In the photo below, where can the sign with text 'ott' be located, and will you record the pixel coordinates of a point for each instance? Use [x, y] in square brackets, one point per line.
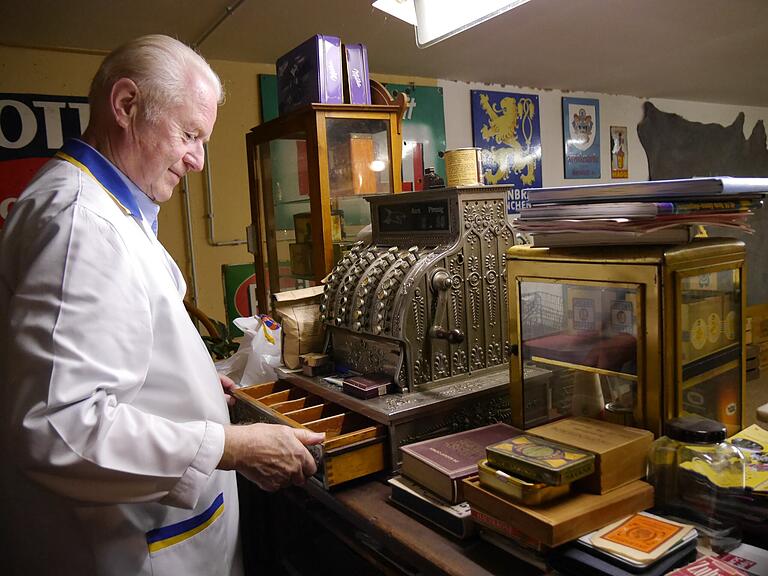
[32, 128]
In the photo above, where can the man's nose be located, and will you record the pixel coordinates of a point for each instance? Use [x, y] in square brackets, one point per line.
[195, 158]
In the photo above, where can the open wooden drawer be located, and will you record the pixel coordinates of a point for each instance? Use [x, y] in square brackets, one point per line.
[354, 445]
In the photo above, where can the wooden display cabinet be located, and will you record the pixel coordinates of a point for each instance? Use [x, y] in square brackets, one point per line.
[308, 172]
[632, 334]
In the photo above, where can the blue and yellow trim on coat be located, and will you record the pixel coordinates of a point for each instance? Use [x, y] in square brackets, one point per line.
[80, 154]
[169, 535]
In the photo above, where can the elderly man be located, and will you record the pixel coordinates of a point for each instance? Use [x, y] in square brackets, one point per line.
[117, 452]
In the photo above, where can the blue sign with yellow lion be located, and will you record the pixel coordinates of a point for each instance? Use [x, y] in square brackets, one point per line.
[506, 127]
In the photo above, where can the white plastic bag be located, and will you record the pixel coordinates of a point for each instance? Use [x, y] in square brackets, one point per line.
[258, 354]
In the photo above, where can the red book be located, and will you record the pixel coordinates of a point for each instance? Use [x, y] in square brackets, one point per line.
[439, 464]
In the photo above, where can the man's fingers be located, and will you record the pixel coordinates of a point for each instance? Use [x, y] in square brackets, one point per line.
[307, 437]
[308, 465]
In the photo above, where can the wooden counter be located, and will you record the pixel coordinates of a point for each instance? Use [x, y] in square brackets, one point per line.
[355, 530]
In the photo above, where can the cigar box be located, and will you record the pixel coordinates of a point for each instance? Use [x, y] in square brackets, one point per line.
[354, 445]
[620, 451]
[556, 522]
[539, 460]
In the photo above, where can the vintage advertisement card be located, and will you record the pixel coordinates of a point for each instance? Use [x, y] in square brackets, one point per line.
[641, 537]
[619, 152]
[581, 137]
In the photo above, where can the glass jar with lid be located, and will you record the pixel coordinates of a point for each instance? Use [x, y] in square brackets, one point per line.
[694, 472]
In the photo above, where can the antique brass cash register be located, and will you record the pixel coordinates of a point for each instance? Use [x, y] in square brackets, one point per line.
[424, 303]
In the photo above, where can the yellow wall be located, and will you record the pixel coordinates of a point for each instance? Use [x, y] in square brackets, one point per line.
[68, 73]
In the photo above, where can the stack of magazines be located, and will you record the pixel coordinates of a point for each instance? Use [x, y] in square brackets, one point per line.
[654, 212]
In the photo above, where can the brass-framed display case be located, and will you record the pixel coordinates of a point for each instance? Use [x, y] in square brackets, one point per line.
[308, 172]
[632, 334]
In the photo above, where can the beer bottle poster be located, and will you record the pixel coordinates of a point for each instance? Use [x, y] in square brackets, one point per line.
[619, 152]
[581, 137]
[32, 129]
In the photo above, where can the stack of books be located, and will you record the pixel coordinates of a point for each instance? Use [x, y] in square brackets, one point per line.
[535, 492]
[429, 485]
[654, 212]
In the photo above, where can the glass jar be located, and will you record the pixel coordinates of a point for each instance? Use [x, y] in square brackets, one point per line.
[695, 473]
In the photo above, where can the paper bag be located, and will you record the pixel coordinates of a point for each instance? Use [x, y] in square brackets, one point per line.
[299, 314]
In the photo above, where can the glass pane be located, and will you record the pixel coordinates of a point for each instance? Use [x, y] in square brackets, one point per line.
[285, 181]
[579, 346]
[710, 322]
[359, 163]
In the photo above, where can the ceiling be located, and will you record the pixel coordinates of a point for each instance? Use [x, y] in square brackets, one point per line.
[704, 50]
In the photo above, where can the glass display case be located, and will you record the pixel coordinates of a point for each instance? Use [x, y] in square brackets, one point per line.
[308, 172]
[632, 334]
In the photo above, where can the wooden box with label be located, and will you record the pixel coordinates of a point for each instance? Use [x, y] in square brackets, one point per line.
[354, 445]
[620, 451]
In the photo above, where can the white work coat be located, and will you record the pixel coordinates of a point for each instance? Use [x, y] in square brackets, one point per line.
[111, 409]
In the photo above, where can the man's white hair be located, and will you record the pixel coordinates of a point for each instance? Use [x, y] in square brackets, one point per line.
[160, 66]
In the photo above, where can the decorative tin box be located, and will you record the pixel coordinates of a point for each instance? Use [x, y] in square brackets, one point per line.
[354, 445]
[357, 85]
[311, 72]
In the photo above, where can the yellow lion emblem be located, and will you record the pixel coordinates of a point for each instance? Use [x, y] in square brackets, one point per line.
[503, 124]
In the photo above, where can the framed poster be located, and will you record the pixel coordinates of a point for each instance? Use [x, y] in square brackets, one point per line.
[32, 128]
[423, 133]
[581, 137]
[619, 152]
[505, 126]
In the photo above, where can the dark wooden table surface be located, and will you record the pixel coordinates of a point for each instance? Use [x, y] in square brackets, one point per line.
[358, 518]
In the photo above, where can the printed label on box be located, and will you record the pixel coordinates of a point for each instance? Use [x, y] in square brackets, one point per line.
[583, 314]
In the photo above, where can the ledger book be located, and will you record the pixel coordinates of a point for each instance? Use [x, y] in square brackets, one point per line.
[440, 463]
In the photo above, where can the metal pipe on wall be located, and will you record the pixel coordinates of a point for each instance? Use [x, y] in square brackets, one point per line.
[185, 182]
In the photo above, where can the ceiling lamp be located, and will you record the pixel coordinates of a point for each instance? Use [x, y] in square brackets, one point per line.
[436, 20]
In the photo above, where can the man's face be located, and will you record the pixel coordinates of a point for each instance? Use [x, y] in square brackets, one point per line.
[164, 151]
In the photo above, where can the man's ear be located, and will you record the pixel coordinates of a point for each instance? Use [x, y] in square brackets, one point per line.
[124, 101]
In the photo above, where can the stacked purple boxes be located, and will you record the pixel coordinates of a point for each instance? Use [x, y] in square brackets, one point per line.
[311, 72]
[357, 86]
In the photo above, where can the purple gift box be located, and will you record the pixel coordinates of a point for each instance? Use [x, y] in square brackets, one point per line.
[311, 72]
[357, 85]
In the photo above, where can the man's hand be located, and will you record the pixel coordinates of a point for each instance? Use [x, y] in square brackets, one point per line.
[271, 455]
[227, 384]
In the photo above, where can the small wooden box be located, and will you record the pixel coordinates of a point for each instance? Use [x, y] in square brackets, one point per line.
[620, 451]
[354, 445]
[554, 523]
